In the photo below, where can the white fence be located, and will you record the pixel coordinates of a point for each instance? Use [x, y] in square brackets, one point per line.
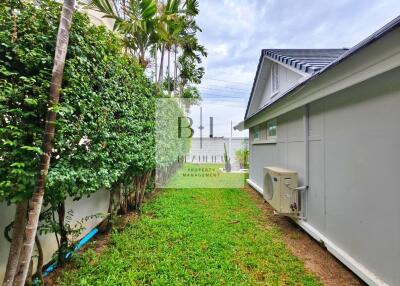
[211, 150]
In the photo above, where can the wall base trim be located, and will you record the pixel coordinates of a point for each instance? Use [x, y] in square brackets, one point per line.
[360, 270]
[255, 186]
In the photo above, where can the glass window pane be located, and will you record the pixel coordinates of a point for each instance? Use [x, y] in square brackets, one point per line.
[271, 128]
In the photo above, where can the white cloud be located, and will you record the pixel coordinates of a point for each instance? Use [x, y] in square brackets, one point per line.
[235, 31]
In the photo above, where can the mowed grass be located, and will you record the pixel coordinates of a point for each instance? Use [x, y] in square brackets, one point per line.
[194, 237]
[205, 176]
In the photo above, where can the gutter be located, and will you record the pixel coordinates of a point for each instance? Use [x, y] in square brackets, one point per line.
[304, 192]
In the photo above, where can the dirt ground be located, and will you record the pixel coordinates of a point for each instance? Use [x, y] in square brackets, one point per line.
[316, 258]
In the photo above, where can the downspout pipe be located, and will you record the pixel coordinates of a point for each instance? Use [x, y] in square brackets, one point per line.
[304, 191]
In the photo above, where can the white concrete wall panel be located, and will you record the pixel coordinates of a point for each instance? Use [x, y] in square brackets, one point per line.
[96, 203]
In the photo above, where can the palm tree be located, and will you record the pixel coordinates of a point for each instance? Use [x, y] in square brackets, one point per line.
[35, 203]
[135, 20]
[176, 23]
[153, 26]
[169, 28]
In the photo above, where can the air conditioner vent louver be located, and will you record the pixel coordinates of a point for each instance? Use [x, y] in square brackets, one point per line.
[279, 190]
[268, 190]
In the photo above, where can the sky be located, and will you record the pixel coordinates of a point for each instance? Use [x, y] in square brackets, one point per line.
[235, 31]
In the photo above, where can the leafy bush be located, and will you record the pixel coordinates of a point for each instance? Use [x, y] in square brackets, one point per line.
[105, 121]
[105, 125]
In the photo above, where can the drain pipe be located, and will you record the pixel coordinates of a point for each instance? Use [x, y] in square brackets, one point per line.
[304, 190]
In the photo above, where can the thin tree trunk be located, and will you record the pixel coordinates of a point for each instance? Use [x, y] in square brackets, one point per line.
[39, 266]
[14, 34]
[137, 191]
[160, 76]
[62, 250]
[114, 203]
[16, 242]
[54, 228]
[35, 203]
[142, 58]
[155, 63]
[145, 179]
[28, 281]
[123, 201]
[168, 72]
[175, 69]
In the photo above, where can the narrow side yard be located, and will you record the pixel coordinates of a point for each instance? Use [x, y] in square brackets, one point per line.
[194, 237]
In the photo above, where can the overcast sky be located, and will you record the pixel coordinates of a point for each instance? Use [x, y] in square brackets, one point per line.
[235, 31]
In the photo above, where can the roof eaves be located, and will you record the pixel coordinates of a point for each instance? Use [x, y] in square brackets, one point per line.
[392, 25]
[254, 82]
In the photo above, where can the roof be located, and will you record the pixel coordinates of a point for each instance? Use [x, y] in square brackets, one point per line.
[305, 60]
[239, 126]
[389, 27]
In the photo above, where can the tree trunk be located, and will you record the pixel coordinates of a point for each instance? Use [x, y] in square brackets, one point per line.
[142, 58]
[62, 250]
[175, 70]
[39, 266]
[113, 207]
[123, 200]
[168, 72]
[143, 187]
[155, 64]
[16, 243]
[14, 34]
[35, 203]
[28, 281]
[160, 76]
[55, 229]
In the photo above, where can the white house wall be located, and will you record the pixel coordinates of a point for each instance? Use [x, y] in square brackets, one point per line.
[354, 161]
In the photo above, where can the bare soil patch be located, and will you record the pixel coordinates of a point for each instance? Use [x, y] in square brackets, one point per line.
[316, 258]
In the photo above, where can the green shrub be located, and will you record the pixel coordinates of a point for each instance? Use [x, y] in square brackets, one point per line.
[105, 124]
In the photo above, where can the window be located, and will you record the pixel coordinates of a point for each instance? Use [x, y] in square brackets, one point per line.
[274, 79]
[256, 133]
[271, 130]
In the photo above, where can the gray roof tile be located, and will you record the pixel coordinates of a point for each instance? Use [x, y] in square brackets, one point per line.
[305, 60]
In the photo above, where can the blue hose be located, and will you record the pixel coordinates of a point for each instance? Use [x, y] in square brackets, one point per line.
[81, 243]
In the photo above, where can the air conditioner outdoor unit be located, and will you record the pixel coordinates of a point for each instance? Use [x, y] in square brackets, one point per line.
[280, 190]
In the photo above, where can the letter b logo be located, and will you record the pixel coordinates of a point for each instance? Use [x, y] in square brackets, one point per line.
[189, 126]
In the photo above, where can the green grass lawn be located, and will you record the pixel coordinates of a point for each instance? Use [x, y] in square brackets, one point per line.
[205, 176]
[194, 237]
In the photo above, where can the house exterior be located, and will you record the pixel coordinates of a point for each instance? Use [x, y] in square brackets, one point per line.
[333, 115]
